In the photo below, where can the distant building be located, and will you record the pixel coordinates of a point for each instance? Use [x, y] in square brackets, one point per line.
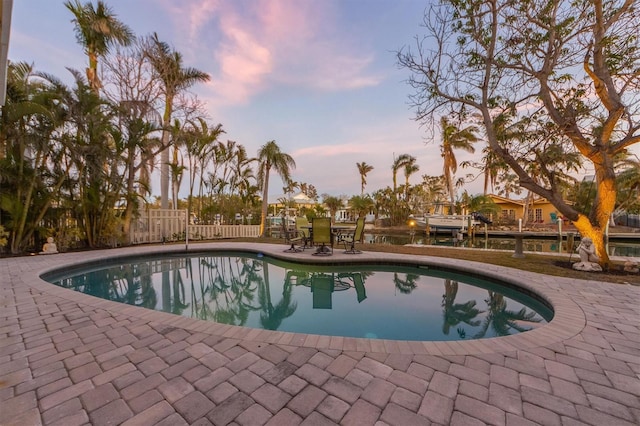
[295, 203]
[541, 211]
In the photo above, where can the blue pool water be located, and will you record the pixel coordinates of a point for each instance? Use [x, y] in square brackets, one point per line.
[371, 301]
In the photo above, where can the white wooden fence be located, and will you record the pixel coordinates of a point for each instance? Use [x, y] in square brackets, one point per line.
[160, 225]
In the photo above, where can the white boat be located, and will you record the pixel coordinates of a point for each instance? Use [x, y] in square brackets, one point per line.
[437, 222]
[445, 223]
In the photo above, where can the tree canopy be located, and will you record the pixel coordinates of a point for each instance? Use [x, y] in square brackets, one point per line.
[562, 75]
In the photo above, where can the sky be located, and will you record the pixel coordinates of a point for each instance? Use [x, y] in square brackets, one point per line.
[317, 76]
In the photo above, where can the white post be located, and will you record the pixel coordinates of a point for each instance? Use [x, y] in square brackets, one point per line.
[486, 236]
[186, 230]
[520, 225]
[560, 235]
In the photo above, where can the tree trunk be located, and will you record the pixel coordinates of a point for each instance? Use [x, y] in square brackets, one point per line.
[164, 156]
[176, 178]
[265, 202]
[596, 233]
[92, 73]
[131, 200]
[164, 171]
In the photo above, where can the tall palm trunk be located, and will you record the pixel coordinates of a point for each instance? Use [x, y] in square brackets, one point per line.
[164, 156]
[92, 73]
[265, 201]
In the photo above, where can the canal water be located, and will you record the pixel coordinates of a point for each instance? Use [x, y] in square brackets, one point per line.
[550, 245]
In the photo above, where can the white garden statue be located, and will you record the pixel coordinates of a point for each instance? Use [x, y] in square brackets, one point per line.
[49, 247]
[588, 258]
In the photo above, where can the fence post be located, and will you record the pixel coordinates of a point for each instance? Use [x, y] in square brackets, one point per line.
[186, 229]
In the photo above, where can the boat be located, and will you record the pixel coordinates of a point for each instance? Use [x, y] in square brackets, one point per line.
[440, 222]
[444, 223]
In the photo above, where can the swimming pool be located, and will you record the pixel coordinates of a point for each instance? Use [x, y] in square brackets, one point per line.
[370, 301]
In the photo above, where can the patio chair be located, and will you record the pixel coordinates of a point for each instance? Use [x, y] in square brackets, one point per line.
[351, 238]
[291, 238]
[302, 226]
[321, 230]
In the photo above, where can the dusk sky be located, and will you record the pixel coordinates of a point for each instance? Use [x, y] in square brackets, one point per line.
[318, 77]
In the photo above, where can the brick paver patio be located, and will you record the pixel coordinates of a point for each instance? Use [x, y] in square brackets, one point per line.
[69, 359]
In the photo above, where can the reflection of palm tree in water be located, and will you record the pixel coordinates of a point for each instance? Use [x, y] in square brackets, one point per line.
[501, 320]
[230, 287]
[406, 285]
[132, 285]
[148, 295]
[178, 299]
[456, 313]
[173, 294]
[272, 316]
[200, 308]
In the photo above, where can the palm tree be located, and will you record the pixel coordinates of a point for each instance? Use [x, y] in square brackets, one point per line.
[139, 149]
[398, 208]
[333, 204]
[361, 205]
[454, 138]
[492, 165]
[199, 138]
[509, 184]
[97, 29]
[409, 168]
[242, 178]
[175, 78]
[434, 189]
[95, 181]
[399, 163]
[33, 161]
[382, 202]
[270, 156]
[363, 169]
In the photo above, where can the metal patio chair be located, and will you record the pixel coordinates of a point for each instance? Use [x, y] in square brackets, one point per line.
[321, 230]
[291, 238]
[351, 238]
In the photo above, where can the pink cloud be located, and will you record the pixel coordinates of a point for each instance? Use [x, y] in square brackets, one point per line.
[243, 58]
[191, 16]
[276, 42]
[329, 150]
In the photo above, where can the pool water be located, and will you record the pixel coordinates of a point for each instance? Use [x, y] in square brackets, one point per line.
[370, 301]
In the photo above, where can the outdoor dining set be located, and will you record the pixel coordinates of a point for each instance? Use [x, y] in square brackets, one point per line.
[320, 234]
